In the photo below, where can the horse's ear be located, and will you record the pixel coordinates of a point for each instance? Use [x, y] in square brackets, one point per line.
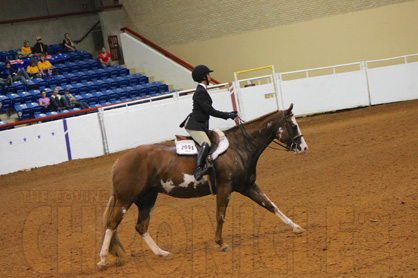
[289, 110]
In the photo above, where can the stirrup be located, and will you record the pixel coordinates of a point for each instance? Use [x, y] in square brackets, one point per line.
[199, 172]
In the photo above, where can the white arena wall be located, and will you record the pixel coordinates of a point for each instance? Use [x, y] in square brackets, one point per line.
[125, 126]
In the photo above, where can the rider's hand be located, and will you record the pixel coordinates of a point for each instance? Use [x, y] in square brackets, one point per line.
[233, 115]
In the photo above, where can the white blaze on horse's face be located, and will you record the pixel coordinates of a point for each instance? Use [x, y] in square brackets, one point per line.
[303, 147]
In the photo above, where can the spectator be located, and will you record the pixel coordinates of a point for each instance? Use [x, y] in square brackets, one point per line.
[25, 50]
[45, 67]
[39, 48]
[33, 70]
[55, 101]
[104, 58]
[44, 100]
[67, 44]
[68, 101]
[11, 75]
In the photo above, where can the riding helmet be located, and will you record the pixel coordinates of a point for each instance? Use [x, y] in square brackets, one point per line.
[199, 73]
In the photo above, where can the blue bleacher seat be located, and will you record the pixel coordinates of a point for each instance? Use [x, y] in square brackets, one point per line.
[36, 95]
[42, 84]
[23, 111]
[103, 85]
[143, 91]
[83, 76]
[85, 55]
[5, 103]
[133, 92]
[48, 92]
[10, 89]
[113, 82]
[124, 71]
[78, 88]
[133, 79]
[72, 66]
[53, 82]
[91, 86]
[63, 80]
[36, 107]
[93, 75]
[16, 99]
[123, 81]
[103, 73]
[72, 77]
[94, 63]
[114, 97]
[26, 96]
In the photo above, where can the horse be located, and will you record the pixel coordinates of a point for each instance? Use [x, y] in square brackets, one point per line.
[140, 174]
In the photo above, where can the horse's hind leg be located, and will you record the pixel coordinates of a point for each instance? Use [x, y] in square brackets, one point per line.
[145, 204]
[113, 215]
[222, 200]
[255, 194]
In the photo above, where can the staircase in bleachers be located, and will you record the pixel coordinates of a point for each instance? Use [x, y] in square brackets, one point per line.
[82, 75]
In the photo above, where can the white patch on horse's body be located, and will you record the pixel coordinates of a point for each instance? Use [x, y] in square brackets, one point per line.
[187, 181]
[262, 203]
[269, 124]
[280, 133]
[123, 212]
[168, 185]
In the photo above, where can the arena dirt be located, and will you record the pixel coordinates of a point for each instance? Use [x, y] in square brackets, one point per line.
[355, 193]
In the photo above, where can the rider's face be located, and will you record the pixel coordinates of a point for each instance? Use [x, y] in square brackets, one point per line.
[209, 78]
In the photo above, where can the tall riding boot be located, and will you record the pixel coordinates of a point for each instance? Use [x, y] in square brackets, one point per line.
[200, 171]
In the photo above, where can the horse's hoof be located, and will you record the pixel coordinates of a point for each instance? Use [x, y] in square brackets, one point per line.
[298, 230]
[165, 254]
[101, 266]
[226, 248]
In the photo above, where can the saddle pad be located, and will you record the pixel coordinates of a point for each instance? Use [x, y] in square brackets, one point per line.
[186, 147]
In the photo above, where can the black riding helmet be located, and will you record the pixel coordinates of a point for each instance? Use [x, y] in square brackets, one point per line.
[199, 73]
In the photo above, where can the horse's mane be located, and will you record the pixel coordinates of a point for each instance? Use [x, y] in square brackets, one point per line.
[236, 127]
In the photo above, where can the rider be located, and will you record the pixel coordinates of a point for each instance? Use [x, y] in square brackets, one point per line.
[197, 123]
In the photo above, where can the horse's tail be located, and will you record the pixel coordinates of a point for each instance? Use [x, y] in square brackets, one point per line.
[115, 248]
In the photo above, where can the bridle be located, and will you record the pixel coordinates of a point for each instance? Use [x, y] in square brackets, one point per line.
[291, 145]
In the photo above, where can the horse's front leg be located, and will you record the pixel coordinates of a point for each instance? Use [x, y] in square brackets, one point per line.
[222, 200]
[255, 194]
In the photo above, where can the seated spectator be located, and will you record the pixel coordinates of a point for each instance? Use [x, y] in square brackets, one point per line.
[104, 58]
[39, 48]
[45, 67]
[33, 70]
[44, 100]
[11, 75]
[67, 44]
[25, 50]
[68, 101]
[55, 101]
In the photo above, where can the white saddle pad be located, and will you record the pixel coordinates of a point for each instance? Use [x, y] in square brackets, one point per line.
[188, 147]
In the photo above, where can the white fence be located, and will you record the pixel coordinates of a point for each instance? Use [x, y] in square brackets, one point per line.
[154, 120]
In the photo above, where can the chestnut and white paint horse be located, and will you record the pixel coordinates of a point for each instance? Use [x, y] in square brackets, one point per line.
[140, 174]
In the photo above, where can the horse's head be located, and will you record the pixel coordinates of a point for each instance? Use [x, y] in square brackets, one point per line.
[289, 133]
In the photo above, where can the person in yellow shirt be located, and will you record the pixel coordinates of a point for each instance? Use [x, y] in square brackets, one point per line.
[25, 50]
[45, 67]
[33, 70]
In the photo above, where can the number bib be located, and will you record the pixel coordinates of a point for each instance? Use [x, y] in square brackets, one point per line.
[186, 147]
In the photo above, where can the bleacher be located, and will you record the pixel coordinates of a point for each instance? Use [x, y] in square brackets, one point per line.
[82, 75]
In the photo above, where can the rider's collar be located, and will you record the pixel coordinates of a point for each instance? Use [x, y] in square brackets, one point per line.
[203, 85]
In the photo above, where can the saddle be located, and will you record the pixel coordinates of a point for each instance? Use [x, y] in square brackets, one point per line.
[185, 145]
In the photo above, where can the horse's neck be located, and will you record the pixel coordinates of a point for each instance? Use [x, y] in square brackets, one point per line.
[260, 133]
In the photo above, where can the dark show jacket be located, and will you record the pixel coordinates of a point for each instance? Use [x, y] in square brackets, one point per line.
[202, 109]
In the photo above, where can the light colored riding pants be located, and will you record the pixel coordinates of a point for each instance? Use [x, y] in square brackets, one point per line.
[199, 136]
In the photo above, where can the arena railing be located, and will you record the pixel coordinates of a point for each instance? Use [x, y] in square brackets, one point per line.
[162, 51]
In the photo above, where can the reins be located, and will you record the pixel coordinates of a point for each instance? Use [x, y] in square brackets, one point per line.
[290, 145]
